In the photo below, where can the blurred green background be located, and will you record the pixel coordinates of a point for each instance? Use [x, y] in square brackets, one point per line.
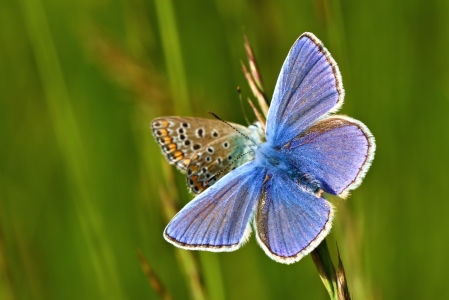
[81, 178]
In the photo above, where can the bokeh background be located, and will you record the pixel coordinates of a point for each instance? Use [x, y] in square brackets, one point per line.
[82, 180]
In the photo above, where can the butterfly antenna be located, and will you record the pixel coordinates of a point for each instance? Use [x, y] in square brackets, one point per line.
[228, 166]
[242, 134]
[239, 91]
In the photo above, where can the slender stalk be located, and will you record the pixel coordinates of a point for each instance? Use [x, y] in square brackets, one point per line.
[185, 258]
[323, 262]
[254, 78]
[178, 83]
[173, 57]
[72, 149]
[153, 279]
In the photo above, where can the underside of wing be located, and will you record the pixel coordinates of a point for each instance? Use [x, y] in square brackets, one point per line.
[216, 160]
[182, 137]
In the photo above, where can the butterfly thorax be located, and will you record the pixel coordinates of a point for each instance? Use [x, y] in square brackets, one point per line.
[274, 160]
[276, 163]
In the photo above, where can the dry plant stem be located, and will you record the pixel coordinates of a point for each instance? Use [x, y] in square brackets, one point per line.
[257, 93]
[333, 280]
[343, 289]
[255, 78]
[253, 64]
[152, 278]
[259, 117]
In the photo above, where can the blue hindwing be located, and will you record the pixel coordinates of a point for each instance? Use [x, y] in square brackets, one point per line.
[290, 221]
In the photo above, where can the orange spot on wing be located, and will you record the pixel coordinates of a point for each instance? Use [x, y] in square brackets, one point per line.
[160, 124]
[175, 156]
[165, 140]
[161, 132]
[169, 148]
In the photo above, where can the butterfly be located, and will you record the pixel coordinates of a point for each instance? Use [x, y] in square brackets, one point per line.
[274, 181]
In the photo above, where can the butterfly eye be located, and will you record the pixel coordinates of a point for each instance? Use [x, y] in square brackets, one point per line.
[181, 130]
[226, 145]
[196, 147]
[210, 150]
[215, 133]
[185, 125]
[187, 143]
[208, 159]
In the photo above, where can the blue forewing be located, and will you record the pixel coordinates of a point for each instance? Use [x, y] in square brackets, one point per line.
[309, 87]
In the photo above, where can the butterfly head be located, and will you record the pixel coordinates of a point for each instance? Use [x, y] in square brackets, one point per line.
[256, 136]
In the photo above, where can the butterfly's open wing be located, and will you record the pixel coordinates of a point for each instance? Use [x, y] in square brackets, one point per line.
[309, 87]
[337, 151]
[218, 219]
[290, 222]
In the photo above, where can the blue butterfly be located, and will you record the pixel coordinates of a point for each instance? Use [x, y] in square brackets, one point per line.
[278, 187]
